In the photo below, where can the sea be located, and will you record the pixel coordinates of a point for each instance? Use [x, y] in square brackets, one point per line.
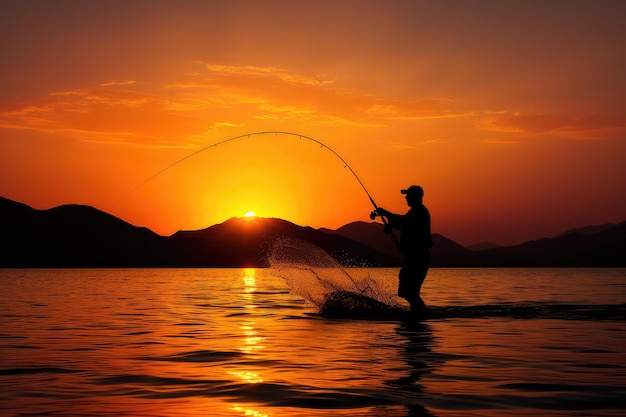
[259, 342]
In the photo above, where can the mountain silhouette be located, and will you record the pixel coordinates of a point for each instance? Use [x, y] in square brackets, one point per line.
[597, 246]
[73, 236]
[444, 252]
[588, 230]
[602, 246]
[482, 246]
[82, 236]
[246, 242]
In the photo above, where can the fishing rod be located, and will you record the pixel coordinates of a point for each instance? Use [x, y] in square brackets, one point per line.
[298, 135]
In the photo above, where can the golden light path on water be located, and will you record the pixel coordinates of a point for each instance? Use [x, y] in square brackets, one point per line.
[252, 342]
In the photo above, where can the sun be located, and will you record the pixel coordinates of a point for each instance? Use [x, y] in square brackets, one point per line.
[249, 214]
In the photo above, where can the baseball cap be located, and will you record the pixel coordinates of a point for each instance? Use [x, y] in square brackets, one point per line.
[414, 190]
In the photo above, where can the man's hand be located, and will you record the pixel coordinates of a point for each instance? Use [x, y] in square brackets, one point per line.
[382, 212]
[378, 212]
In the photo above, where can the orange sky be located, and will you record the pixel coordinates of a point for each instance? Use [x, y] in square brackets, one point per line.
[511, 114]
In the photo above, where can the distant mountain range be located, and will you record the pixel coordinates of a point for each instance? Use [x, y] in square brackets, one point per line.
[82, 236]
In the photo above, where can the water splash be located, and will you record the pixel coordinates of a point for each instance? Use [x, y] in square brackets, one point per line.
[336, 291]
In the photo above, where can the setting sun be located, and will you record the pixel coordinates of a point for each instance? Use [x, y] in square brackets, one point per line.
[503, 147]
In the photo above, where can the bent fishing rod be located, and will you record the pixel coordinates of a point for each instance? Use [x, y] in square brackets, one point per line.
[286, 133]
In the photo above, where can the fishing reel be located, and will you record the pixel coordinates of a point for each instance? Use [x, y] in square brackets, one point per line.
[373, 214]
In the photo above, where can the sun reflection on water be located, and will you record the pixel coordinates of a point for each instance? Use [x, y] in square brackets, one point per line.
[247, 376]
[249, 281]
[251, 339]
[252, 342]
[247, 411]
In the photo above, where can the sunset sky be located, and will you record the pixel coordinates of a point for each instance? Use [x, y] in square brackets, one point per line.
[510, 114]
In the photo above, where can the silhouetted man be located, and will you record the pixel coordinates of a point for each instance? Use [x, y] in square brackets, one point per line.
[415, 241]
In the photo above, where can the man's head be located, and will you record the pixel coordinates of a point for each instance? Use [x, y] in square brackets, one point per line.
[414, 195]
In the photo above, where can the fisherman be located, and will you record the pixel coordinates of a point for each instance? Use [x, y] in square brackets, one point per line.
[415, 241]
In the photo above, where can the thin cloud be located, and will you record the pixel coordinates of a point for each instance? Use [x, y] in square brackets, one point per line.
[100, 114]
[287, 92]
[503, 141]
[404, 146]
[226, 124]
[177, 113]
[267, 72]
[576, 126]
[115, 83]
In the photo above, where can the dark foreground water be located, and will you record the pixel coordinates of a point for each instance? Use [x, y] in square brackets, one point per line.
[244, 342]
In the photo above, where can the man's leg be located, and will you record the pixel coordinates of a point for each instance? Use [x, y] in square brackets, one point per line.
[416, 302]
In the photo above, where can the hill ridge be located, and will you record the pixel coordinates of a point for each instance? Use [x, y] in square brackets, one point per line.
[75, 235]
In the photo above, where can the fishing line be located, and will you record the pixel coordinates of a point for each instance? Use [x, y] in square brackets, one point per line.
[286, 133]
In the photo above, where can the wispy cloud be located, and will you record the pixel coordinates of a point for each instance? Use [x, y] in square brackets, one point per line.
[222, 96]
[180, 112]
[267, 72]
[288, 94]
[99, 114]
[115, 83]
[575, 126]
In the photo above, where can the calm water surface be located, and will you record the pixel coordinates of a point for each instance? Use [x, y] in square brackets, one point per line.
[238, 342]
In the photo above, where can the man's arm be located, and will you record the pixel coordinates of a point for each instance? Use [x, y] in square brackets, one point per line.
[396, 221]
